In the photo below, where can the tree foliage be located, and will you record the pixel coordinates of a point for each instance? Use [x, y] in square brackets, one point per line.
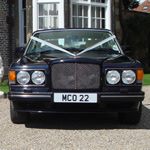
[138, 36]
[130, 4]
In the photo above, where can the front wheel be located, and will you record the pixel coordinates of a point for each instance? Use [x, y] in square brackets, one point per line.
[130, 117]
[18, 117]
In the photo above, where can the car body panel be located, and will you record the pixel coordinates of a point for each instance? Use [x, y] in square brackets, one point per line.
[40, 98]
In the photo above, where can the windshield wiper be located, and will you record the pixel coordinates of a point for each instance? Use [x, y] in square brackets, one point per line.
[25, 56]
[45, 52]
[38, 53]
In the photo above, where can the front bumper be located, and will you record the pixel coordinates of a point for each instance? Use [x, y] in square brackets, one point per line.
[43, 102]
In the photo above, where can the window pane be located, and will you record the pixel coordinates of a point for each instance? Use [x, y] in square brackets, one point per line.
[98, 23]
[86, 11]
[80, 23]
[97, 11]
[50, 13]
[103, 12]
[85, 23]
[74, 22]
[80, 10]
[23, 3]
[103, 23]
[51, 23]
[43, 23]
[24, 13]
[74, 10]
[55, 22]
[43, 9]
[145, 8]
[53, 9]
[98, 1]
[93, 12]
[25, 35]
[93, 23]
[40, 23]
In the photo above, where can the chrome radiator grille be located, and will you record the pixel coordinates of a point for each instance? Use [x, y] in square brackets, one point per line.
[75, 76]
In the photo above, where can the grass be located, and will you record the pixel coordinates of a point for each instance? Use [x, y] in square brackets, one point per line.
[146, 79]
[5, 88]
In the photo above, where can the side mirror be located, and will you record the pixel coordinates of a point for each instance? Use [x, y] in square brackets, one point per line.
[126, 49]
[19, 51]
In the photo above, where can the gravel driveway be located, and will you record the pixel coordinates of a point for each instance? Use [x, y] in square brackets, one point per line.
[74, 132]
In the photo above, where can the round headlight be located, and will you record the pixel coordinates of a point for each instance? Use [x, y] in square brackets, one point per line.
[113, 77]
[38, 77]
[128, 76]
[23, 77]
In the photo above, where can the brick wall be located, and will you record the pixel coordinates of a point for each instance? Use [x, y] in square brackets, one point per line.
[6, 45]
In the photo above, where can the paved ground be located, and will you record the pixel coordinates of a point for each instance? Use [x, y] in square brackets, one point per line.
[74, 132]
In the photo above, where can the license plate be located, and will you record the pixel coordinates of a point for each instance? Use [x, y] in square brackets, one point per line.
[75, 98]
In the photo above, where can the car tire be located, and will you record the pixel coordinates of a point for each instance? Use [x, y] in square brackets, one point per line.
[130, 117]
[18, 117]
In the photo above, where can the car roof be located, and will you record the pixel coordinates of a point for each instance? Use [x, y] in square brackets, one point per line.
[73, 29]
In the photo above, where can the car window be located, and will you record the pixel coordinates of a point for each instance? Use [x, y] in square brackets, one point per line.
[73, 43]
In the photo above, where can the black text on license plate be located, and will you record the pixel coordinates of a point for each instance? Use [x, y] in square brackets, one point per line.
[75, 98]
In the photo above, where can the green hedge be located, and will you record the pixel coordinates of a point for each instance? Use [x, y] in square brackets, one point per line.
[137, 35]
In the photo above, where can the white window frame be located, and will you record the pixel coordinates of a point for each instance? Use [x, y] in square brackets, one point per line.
[21, 24]
[60, 12]
[145, 8]
[88, 3]
[81, 17]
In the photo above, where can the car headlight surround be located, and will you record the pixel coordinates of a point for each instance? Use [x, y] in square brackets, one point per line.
[23, 77]
[38, 77]
[113, 77]
[128, 77]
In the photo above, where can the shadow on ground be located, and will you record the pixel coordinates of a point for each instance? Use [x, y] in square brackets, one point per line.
[85, 121]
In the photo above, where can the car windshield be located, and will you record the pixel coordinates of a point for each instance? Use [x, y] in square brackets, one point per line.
[66, 43]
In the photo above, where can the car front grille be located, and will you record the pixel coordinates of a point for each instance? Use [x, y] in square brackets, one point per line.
[75, 76]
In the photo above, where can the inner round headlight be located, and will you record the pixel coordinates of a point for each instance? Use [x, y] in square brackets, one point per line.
[38, 77]
[128, 76]
[23, 77]
[113, 77]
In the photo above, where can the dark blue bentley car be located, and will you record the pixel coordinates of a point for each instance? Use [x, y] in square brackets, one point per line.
[75, 71]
